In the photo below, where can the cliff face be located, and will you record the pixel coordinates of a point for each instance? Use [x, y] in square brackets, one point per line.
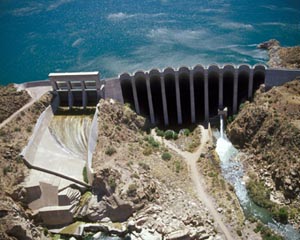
[269, 129]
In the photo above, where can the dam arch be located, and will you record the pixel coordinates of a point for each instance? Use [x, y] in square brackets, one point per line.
[258, 77]
[213, 90]
[126, 86]
[142, 93]
[185, 94]
[243, 84]
[199, 99]
[171, 95]
[157, 96]
[229, 83]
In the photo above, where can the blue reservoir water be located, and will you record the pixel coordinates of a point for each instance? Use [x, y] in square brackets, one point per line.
[113, 36]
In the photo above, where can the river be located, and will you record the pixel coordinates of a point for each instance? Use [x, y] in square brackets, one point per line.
[232, 170]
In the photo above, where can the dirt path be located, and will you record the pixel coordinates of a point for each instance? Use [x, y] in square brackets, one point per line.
[35, 93]
[198, 180]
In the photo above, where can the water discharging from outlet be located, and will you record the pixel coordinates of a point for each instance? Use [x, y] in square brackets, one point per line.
[72, 132]
[232, 171]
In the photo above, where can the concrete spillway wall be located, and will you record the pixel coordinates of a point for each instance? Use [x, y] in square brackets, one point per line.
[189, 95]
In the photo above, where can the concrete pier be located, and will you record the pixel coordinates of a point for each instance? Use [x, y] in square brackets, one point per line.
[206, 100]
[235, 91]
[192, 96]
[150, 102]
[164, 100]
[178, 103]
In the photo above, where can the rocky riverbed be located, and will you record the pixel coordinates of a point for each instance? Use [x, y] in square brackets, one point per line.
[268, 130]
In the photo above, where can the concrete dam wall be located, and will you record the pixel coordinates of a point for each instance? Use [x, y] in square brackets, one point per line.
[189, 95]
[172, 96]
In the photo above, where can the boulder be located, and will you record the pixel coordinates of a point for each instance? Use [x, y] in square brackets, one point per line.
[268, 44]
[179, 235]
[116, 209]
[19, 231]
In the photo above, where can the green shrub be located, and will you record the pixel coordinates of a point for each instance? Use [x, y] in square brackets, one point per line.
[112, 182]
[19, 159]
[135, 175]
[175, 136]
[178, 166]
[259, 194]
[7, 169]
[169, 134]
[84, 174]
[128, 105]
[147, 151]
[2, 133]
[166, 156]
[152, 142]
[266, 232]
[110, 150]
[186, 132]
[160, 133]
[281, 215]
[242, 105]
[131, 191]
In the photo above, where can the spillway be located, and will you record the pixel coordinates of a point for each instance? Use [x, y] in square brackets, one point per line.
[71, 133]
[59, 145]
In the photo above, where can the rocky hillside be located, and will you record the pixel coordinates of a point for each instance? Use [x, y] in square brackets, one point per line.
[281, 57]
[11, 100]
[269, 130]
[139, 181]
[14, 221]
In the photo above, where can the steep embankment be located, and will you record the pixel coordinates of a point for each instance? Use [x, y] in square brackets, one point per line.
[13, 138]
[269, 130]
[11, 100]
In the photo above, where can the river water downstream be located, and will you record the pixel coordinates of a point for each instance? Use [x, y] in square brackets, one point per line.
[232, 171]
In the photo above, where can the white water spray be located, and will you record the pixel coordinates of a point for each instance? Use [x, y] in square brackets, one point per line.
[221, 126]
[232, 170]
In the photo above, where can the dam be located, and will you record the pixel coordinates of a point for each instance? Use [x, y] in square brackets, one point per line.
[172, 96]
[67, 131]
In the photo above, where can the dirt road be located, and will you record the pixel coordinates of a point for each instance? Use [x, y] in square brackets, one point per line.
[35, 93]
[198, 179]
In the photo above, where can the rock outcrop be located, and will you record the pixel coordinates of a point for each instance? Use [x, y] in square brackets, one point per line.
[269, 130]
[138, 188]
[281, 57]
